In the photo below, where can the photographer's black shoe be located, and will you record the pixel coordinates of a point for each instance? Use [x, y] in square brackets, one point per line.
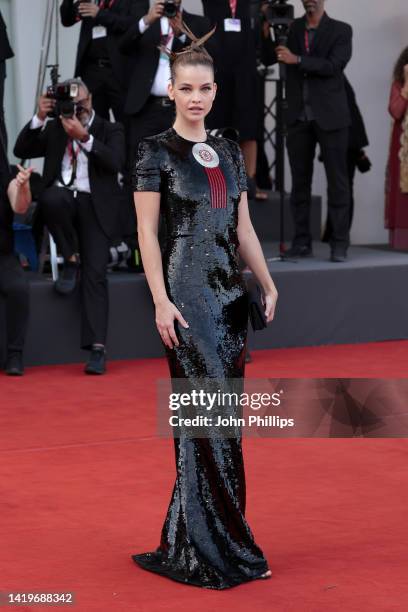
[338, 255]
[298, 250]
[14, 364]
[68, 278]
[97, 361]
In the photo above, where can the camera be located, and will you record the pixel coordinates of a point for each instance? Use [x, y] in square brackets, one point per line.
[170, 9]
[280, 15]
[64, 95]
[76, 7]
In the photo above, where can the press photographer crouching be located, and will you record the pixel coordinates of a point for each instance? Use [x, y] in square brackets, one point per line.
[79, 202]
[15, 197]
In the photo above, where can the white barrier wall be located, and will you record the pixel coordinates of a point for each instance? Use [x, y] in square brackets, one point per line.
[380, 32]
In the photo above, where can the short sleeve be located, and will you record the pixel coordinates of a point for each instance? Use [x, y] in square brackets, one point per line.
[240, 166]
[146, 171]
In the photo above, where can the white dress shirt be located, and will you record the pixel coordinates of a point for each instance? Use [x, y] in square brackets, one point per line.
[81, 182]
[162, 76]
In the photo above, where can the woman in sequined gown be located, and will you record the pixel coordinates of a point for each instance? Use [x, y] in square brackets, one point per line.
[198, 182]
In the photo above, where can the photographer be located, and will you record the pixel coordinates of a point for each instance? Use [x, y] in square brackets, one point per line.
[147, 103]
[15, 197]
[79, 202]
[317, 52]
[99, 62]
[148, 108]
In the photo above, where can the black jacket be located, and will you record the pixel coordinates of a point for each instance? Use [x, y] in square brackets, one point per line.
[5, 50]
[122, 15]
[105, 161]
[144, 55]
[323, 67]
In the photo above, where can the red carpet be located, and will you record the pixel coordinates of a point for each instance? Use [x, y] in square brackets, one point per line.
[85, 483]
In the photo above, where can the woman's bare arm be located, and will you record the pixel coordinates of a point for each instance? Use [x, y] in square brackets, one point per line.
[148, 213]
[251, 252]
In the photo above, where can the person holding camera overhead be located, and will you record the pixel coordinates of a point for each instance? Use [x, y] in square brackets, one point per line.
[83, 155]
[99, 62]
[147, 103]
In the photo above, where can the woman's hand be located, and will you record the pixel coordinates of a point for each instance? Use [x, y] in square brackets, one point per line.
[23, 177]
[166, 314]
[270, 299]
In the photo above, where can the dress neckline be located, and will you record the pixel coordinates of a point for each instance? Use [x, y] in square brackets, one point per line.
[190, 141]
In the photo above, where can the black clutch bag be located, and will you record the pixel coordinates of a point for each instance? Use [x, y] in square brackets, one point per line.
[256, 307]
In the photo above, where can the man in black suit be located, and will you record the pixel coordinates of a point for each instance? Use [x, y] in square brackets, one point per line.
[147, 103]
[99, 62]
[6, 53]
[318, 50]
[148, 108]
[79, 203]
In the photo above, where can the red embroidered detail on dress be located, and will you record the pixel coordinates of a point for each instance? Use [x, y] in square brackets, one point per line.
[218, 187]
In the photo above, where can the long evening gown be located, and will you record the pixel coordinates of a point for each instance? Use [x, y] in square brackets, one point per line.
[205, 539]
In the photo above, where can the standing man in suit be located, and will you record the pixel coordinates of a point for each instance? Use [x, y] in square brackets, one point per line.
[6, 53]
[147, 103]
[79, 203]
[319, 48]
[99, 62]
[148, 108]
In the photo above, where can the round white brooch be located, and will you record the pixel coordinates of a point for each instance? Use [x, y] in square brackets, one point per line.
[205, 155]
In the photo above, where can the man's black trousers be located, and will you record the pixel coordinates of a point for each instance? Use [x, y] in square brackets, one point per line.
[74, 226]
[302, 139]
[14, 290]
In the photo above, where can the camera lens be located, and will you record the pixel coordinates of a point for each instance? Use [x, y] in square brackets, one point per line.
[170, 9]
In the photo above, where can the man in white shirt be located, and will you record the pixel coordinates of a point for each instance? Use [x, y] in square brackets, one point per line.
[147, 107]
[83, 155]
[147, 104]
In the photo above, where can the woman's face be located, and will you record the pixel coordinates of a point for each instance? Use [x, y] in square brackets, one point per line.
[193, 92]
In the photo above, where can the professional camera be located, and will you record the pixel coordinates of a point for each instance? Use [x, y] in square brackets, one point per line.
[280, 15]
[170, 9]
[64, 95]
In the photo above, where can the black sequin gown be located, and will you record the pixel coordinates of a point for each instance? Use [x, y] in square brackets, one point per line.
[205, 539]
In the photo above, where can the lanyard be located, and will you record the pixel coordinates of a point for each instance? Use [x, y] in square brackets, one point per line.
[103, 4]
[233, 7]
[307, 41]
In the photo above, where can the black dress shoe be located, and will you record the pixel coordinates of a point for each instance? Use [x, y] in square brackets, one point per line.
[67, 280]
[14, 364]
[338, 255]
[298, 250]
[97, 362]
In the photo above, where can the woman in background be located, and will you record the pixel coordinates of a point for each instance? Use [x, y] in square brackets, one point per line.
[396, 189]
